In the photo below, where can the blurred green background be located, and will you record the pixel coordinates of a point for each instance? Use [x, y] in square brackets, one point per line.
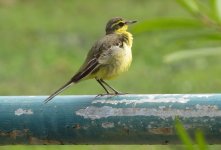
[176, 47]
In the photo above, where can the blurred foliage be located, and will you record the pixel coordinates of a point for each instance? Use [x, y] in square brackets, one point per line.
[101, 147]
[199, 144]
[206, 16]
[176, 45]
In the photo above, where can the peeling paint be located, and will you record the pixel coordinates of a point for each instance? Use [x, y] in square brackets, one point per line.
[107, 124]
[21, 111]
[198, 95]
[206, 107]
[151, 99]
[162, 107]
[93, 112]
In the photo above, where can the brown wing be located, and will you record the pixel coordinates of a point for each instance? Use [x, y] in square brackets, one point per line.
[86, 70]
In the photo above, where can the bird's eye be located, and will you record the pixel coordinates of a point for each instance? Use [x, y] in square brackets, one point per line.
[121, 24]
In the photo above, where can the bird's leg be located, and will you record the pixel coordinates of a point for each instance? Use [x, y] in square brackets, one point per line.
[115, 91]
[99, 81]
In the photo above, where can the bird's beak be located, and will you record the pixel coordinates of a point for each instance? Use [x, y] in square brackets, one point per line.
[130, 22]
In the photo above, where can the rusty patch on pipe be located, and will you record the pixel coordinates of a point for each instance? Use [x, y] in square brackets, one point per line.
[35, 140]
[107, 124]
[25, 133]
[14, 133]
[163, 131]
[76, 126]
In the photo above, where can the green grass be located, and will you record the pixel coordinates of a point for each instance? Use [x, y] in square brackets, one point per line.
[102, 147]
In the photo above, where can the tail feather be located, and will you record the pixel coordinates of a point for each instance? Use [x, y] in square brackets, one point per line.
[76, 78]
[68, 84]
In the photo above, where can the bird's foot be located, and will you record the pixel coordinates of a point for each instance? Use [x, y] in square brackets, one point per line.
[120, 93]
[110, 94]
[105, 94]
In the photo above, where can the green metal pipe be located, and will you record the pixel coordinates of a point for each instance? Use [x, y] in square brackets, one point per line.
[124, 119]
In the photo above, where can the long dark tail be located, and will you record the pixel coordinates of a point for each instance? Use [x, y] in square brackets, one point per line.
[68, 84]
[76, 78]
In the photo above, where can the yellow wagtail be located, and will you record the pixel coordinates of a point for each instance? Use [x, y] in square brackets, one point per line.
[109, 57]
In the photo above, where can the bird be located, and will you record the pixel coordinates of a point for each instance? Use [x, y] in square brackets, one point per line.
[108, 58]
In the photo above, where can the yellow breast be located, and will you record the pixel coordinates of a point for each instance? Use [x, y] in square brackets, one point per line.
[119, 62]
[123, 59]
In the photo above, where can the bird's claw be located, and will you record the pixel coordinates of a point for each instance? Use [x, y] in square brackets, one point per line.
[120, 93]
[110, 94]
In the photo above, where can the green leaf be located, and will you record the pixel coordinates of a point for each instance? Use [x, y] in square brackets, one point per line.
[165, 24]
[200, 140]
[198, 37]
[183, 135]
[189, 5]
[216, 9]
[191, 53]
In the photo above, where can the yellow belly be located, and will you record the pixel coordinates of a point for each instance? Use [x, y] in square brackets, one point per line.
[119, 63]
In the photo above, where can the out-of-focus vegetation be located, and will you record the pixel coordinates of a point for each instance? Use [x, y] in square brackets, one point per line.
[198, 144]
[103, 147]
[176, 45]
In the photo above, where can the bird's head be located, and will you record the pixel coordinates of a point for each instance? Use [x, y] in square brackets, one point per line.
[117, 24]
